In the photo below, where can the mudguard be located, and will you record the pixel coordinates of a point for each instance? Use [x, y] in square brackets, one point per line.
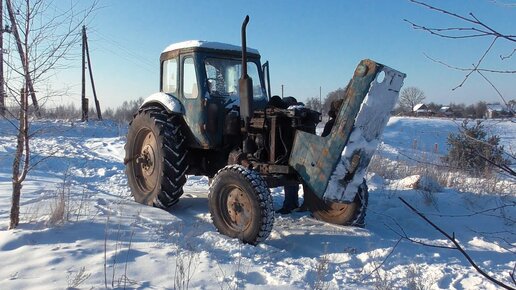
[334, 166]
[169, 102]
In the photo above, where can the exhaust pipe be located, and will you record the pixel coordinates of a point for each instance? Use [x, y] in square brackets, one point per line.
[244, 47]
[245, 82]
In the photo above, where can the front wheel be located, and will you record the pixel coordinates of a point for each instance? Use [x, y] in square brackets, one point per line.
[241, 204]
[347, 214]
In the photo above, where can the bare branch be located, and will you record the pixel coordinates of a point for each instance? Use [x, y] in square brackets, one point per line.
[474, 20]
[497, 91]
[477, 212]
[508, 56]
[439, 31]
[459, 247]
[475, 68]
[403, 235]
[384, 260]
[471, 27]
[469, 69]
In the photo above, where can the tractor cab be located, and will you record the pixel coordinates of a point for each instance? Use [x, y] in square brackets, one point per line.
[204, 78]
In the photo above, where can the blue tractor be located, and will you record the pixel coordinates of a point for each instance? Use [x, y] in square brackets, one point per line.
[214, 116]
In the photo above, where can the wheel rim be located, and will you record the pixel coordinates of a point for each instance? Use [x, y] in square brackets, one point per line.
[332, 212]
[336, 209]
[146, 172]
[237, 208]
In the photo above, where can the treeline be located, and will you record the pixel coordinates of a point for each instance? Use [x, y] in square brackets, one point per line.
[121, 114]
[474, 111]
[124, 113]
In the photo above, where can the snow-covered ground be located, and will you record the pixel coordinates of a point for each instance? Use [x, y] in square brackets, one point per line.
[109, 240]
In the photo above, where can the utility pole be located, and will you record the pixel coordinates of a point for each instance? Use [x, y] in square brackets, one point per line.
[84, 100]
[2, 30]
[282, 91]
[97, 104]
[320, 98]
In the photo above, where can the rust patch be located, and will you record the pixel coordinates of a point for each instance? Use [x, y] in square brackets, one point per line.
[361, 70]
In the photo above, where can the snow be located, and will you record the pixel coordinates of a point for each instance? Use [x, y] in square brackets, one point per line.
[111, 237]
[171, 103]
[207, 44]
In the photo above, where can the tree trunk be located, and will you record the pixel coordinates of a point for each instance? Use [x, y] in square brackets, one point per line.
[15, 205]
[18, 173]
[23, 56]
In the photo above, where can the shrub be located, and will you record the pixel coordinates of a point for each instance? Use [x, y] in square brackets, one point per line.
[473, 150]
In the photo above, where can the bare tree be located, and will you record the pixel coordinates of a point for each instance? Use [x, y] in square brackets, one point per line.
[471, 27]
[44, 36]
[410, 97]
[314, 103]
[332, 96]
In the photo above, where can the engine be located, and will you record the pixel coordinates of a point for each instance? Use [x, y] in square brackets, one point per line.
[271, 134]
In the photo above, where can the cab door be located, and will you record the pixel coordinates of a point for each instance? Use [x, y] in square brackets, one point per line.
[193, 101]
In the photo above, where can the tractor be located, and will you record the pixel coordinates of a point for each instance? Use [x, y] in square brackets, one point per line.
[215, 116]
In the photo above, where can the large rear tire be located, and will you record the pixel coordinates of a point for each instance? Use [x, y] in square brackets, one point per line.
[241, 204]
[155, 157]
[347, 214]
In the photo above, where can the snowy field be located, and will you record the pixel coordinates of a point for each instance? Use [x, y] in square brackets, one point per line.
[107, 240]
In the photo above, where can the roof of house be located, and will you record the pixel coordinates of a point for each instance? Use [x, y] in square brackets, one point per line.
[419, 107]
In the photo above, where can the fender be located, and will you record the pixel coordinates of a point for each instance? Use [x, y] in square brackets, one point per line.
[169, 102]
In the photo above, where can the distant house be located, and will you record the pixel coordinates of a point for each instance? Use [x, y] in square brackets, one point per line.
[445, 111]
[421, 110]
[497, 110]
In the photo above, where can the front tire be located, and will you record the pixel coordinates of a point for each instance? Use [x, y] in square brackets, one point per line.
[346, 214]
[155, 157]
[241, 204]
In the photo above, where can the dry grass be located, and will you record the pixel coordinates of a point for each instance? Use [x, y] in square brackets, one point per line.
[187, 260]
[321, 271]
[59, 206]
[76, 278]
[417, 279]
[444, 175]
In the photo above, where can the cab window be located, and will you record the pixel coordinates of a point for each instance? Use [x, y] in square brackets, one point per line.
[189, 79]
[169, 81]
[223, 76]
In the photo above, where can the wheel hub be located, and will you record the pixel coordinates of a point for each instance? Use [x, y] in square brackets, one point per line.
[239, 208]
[147, 155]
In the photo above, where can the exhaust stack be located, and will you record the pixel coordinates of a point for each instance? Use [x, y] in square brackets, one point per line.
[245, 82]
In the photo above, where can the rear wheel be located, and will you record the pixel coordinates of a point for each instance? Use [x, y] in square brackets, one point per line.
[348, 214]
[241, 204]
[155, 157]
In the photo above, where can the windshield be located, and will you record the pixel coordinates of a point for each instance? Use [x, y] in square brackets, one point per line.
[223, 76]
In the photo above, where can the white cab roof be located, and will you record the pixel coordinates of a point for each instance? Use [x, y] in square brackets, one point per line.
[207, 44]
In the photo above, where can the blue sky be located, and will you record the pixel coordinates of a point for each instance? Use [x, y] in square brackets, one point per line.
[308, 44]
